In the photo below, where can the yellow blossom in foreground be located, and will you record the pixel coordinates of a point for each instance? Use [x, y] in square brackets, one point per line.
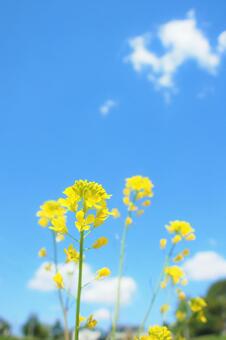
[164, 308]
[58, 279]
[59, 225]
[71, 254]
[115, 213]
[42, 252]
[159, 333]
[197, 304]
[100, 242]
[48, 211]
[163, 243]
[103, 272]
[128, 221]
[182, 228]
[175, 273]
[83, 223]
[92, 194]
[181, 316]
[91, 322]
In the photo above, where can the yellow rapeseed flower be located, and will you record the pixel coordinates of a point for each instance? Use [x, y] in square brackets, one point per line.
[59, 225]
[58, 279]
[48, 211]
[182, 228]
[163, 243]
[83, 223]
[186, 252]
[81, 319]
[201, 317]
[128, 221]
[175, 273]
[91, 322]
[141, 185]
[60, 237]
[164, 308]
[178, 258]
[101, 216]
[140, 212]
[181, 295]
[197, 304]
[71, 254]
[181, 316]
[42, 252]
[146, 203]
[115, 213]
[100, 242]
[159, 333]
[92, 194]
[176, 239]
[103, 272]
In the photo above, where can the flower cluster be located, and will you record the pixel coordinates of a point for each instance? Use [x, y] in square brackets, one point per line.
[157, 333]
[137, 193]
[87, 201]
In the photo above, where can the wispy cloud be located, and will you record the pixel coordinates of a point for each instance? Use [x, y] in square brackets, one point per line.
[206, 265]
[107, 106]
[98, 292]
[182, 41]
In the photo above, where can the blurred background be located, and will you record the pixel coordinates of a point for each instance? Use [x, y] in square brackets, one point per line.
[103, 90]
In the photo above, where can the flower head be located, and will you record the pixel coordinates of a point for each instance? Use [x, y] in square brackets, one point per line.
[48, 211]
[174, 273]
[103, 272]
[83, 223]
[197, 304]
[181, 228]
[100, 242]
[91, 322]
[92, 194]
[164, 308]
[59, 225]
[71, 254]
[137, 188]
[115, 213]
[42, 252]
[159, 333]
[163, 243]
[58, 279]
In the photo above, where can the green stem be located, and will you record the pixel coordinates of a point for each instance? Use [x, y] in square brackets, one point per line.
[79, 289]
[121, 266]
[59, 293]
[155, 294]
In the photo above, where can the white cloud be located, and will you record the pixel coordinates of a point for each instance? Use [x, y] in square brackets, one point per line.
[105, 291]
[97, 292]
[102, 314]
[182, 41]
[207, 265]
[107, 106]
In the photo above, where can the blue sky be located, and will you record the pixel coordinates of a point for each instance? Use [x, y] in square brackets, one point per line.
[59, 63]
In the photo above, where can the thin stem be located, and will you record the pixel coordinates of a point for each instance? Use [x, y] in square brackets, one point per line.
[121, 266]
[79, 289]
[155, 294]
[59, 293]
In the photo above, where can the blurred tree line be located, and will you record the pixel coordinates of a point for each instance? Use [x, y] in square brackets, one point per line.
[34, 328]
[215, 313]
